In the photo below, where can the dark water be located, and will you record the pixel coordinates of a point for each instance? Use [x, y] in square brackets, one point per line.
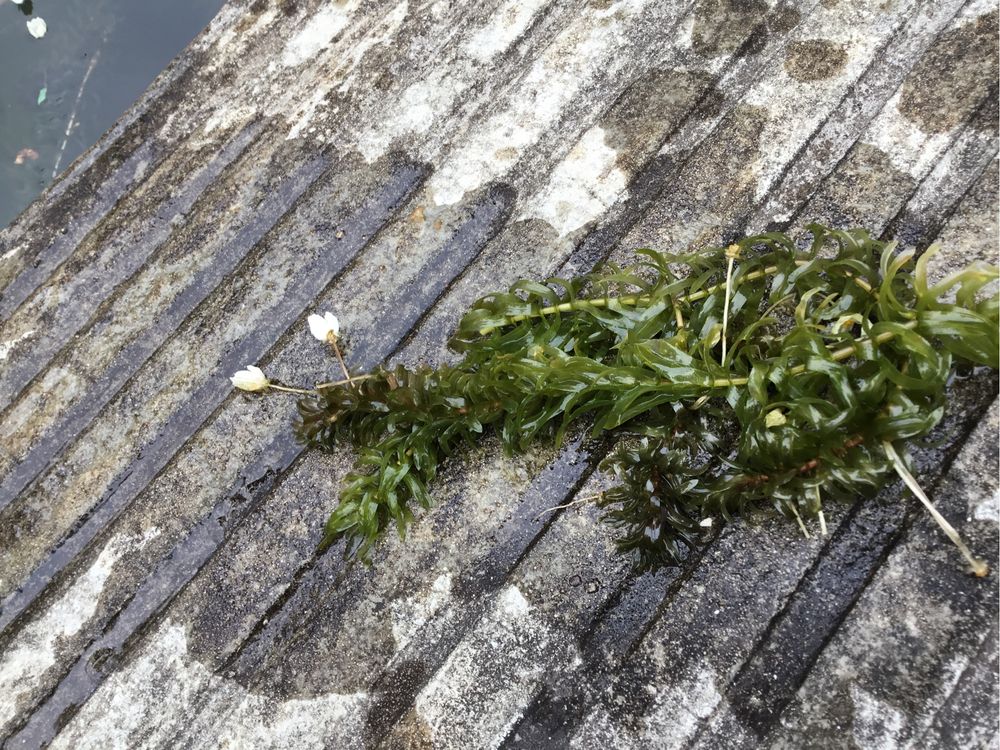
[96, 58]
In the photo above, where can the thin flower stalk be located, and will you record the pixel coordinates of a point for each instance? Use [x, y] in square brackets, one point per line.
[732, 253]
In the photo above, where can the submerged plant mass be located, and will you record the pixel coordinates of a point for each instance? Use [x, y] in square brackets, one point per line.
[762, 376]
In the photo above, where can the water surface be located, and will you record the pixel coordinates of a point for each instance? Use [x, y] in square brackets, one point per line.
[60, 93]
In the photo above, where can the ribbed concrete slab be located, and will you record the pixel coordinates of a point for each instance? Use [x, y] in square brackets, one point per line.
[392, 162]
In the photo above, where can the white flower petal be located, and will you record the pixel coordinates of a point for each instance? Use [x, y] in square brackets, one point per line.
[332, 322]
[37, 27]
[706, 523]
[317, 326]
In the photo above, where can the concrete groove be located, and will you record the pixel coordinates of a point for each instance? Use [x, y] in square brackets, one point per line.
[29, 279]
[888, 226]
[369, 359]
[975, 685]
[584, 259]
[774, 623]
[876, 85]
[81, 682]
[818, 560]
[269, 616]
[911, 224]
[772, 653]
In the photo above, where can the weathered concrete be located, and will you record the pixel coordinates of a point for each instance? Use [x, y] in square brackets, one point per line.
[392, 162]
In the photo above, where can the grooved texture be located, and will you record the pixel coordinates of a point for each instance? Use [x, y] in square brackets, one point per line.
[392, 162]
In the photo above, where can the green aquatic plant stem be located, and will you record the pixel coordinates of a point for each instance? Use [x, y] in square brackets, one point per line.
[632, 300]
[629, 300]
[340, 359]
[348, 380]
[288, 389]
[732, 253]
[838, 355]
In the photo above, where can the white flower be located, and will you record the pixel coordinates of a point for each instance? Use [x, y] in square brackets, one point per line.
[325, 327]
[17, 2]
[250, 379]
[37, 27]
[706, 523]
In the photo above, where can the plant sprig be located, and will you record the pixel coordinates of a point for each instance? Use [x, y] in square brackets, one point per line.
[763, 376]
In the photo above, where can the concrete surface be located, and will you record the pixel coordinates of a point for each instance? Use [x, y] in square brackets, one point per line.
[391, 162]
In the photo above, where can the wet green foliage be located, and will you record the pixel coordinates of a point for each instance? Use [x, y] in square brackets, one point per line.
[832, 347]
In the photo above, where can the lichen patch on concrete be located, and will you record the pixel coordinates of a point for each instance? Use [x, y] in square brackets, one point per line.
[796, 105]
[876, 724]
[678, 712]
[25, 662]
[318, 31]
[582, 187]
[815, 59]
[546, 88]
[127, 711]
[948, 81]
[506, 24]
[471, 701]
[6, 347]
[410, 614]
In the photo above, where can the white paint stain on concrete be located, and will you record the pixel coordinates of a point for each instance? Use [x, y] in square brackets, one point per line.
[911, 150]
[877, 724]
[505, 26]
[578, 54]
[218, 27]
[584, 185]
[308, 109]
[409, 615]
[979, 459]
[680, 705]
[165, 697]
[988, 508]
[303, 112]
[6, 347]
[427, 101]
[679, 710]
[599, 729]
[225, 118]
[474, 702]
[316, 35]
[231, 42]
[384, 31]
[34, 650]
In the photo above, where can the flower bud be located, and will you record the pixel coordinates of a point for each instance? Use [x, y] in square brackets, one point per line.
[250, 379]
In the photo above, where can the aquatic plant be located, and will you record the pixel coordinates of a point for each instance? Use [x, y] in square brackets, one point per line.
[764, 376]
